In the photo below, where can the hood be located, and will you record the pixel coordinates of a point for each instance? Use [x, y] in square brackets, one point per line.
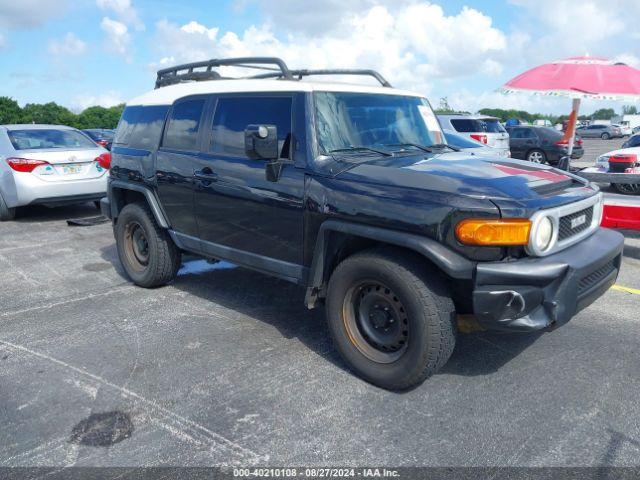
[507, 182]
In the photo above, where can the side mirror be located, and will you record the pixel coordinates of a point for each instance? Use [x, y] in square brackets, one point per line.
[261, 142]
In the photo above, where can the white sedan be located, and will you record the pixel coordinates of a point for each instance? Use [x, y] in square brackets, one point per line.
[49, 165]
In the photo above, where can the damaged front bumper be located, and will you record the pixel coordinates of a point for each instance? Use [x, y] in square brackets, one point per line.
[543, 293]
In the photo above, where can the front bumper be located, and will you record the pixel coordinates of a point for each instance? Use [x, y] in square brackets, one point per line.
[543, 293]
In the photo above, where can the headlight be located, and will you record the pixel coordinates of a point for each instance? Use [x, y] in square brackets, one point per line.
[543, 234]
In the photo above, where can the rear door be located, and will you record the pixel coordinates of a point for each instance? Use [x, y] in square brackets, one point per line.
[240, 214]
[177, 160]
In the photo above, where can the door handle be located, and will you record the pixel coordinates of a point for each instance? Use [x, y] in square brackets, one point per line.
[206, 176]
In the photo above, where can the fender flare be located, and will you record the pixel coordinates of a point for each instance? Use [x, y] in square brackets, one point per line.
[451, 263]
[152, 201]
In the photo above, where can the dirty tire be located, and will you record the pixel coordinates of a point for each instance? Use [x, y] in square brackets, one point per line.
[430, 316]
[6, 213]
[146, 251]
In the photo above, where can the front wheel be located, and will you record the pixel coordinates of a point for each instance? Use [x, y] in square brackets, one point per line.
[391, 318]
[146, 251]
[605, 136]
[537, 156]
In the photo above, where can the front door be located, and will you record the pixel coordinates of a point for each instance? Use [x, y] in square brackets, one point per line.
[241, 215]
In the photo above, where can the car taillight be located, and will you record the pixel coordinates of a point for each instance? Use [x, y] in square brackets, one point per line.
[102, 143]
[579, 141]
[104, 160]
[25, 165]
[480, 138]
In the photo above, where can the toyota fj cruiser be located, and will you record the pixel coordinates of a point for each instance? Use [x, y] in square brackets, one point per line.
[352, 192]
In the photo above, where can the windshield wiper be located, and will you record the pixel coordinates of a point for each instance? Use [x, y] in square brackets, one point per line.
[414, 145]
[444, 145]
[355, 149]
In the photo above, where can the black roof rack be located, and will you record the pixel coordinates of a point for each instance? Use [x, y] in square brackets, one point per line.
[333, 71]
[189, 72]
[201, 71]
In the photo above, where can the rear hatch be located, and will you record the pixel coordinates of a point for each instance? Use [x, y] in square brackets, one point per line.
[65, 165]
[487, 130]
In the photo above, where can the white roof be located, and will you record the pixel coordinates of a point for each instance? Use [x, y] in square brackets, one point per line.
[167, 95]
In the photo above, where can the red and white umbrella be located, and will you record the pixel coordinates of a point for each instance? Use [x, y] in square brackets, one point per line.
[579, 78]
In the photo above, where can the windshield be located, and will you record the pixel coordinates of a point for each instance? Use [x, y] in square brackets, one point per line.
[42, 139]
[351, 120]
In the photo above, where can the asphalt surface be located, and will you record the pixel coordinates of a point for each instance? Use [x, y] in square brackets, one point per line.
[227, 367]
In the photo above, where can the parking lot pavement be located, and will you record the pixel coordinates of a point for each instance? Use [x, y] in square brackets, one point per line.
[226, 366]
[594, 147]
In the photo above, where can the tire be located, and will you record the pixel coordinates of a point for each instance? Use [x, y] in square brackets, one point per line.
[412, 301]
[605, 136]
[537, 156]
[627, 189]
[146, 251]
[6, 213]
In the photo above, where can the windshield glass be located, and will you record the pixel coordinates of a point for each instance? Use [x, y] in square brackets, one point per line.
[48, 138]
[349, 120]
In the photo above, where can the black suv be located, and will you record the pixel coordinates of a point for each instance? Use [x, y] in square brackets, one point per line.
[541, 144]
[350, 192]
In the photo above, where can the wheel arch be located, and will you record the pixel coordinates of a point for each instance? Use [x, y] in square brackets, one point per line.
[337, 240]
[122, 193]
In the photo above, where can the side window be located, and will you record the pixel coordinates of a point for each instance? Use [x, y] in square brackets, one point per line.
[529, 133]
[517, 133]
[182, 130]
[125, 125]
[148, 127]
[233, 114]
[466, 126]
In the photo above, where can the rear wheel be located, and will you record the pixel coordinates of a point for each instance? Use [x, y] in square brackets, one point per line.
[146, 251]
[536, 156]
[627, 188]
[605, 136]
[6, 213]
[391, 319]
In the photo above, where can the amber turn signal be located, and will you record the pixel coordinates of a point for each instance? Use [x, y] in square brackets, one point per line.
[503, 232]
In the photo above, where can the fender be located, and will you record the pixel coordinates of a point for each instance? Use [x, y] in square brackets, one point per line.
[451, 263]
[154, 205]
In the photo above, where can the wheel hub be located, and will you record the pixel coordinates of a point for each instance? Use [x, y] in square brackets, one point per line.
[377, 321]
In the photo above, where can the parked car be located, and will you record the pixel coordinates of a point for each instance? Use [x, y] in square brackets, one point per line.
[473, 147]
[541, 145]
[633, 141]
[625, 130]
[101, 136]
[605, 132]
[348, 191]
[635, 130]
[487, 130]
[49, 165]
[622, 160]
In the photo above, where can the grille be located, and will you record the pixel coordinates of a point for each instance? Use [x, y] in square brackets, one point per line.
[566, 231]
[595, 277]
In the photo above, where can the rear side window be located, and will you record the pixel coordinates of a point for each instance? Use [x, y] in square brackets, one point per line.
[184, 122]
[466, 125]
[522, 133]
[234, 114]
[493, 126]
[141, 127]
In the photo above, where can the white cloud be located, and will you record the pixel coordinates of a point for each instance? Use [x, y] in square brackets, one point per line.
[124, 10]
[412, 46]
[117, 37]
[108, 99]
[629, 58]
[29, 13]
[67, 46]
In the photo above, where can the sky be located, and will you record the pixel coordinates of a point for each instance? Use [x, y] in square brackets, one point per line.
[80, 53]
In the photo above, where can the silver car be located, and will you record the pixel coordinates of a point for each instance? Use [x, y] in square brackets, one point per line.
[49, 165]
[604, 132]
[473, 147]
[481, 128]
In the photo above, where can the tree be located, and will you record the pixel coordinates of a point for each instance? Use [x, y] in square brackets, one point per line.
[10, 111]
[629, 110]
[603, 114]
[49, 113]
[99, 117]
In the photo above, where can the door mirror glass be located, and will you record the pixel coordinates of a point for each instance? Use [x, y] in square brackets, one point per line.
[261, 142]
